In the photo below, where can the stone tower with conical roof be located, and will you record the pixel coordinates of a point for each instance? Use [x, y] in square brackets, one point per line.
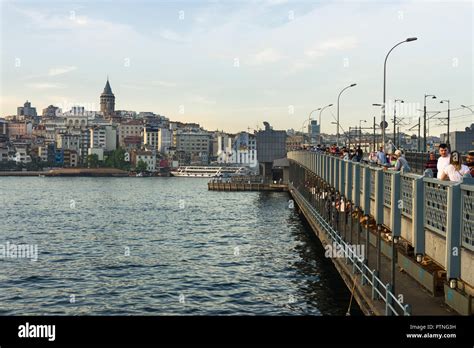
[107, 100]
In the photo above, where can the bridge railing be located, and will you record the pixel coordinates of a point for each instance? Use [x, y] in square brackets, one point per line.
[380, 291]
[435, 211]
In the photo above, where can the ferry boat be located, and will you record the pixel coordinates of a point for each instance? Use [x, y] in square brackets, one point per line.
[209, 172]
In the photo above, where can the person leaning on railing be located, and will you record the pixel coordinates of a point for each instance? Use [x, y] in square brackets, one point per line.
[443, 160]
[455, 170]
[401, 163]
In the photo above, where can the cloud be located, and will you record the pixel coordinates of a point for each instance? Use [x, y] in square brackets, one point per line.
[337, 44]
[61, 70]
[131, 86]
[171, 35]
[44, 85]
[164, 83]
[202, 100]
[267, 56]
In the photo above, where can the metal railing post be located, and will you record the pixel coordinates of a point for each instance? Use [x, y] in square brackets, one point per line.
[418, 216]
[395, 221]
[379, 206]
[453, 233]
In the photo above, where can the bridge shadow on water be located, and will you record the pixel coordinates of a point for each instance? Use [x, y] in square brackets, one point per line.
[319, 284]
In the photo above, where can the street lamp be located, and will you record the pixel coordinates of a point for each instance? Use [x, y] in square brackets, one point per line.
[395, 121]
[360, 131]
[424, 119]
[467, 107]
[384, 83]
[375, 145]
[320, 112]
[442, 102]
[338, 97]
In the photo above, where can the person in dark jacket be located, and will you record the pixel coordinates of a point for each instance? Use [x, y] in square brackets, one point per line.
[470, 162]
[432, 164]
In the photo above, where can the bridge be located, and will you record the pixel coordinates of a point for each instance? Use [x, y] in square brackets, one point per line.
[417, 233]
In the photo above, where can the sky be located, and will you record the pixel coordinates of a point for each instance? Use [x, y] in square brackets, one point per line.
[230, 65]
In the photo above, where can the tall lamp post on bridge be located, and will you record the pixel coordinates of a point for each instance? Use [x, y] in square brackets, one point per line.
[375, 145]
[320, 112]
[467, 107]
[424, 119]
[447, 135]
[384, 83]
[395, 140]
[360, 131]
[338, 97]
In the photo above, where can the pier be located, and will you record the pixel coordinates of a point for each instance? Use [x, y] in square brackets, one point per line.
[417, 233]
[242, 186]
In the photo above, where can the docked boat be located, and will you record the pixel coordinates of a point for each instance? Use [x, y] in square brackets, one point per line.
[209, 172]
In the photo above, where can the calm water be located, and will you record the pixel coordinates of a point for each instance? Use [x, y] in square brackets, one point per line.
[159, 246]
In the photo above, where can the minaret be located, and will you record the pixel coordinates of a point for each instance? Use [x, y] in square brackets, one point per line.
[107, 100]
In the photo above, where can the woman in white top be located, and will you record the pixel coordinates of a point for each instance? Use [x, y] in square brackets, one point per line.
[455, 170]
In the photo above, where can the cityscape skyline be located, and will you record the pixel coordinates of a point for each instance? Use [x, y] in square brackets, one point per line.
[205, 77]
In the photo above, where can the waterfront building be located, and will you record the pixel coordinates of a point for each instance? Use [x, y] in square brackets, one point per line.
[164, 140]
[18, 129]
[68, 141]
[51, 111]
[127, 129]
[150, 137]
[26, 110]
[271, 145]
[314, 132]
[70, 158]
[193, 145]
[104, 137]
[43, 152]
[21, 155]
[149, 157]
[237, 149]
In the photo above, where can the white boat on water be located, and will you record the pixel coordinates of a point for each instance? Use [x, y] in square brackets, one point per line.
[209, 172]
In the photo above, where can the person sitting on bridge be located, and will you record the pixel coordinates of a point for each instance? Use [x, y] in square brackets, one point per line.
[432, 164]
[443, 160]
[454, 171]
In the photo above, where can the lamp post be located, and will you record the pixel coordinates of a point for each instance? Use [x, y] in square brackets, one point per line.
[467, 107]
[360, 131]
[424, 119]
[338, 97]
[384, 83]
[320, 112]
[375, 145]
[447, 140]
[395, 121]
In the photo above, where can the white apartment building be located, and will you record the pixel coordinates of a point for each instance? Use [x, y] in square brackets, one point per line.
[239, 149]
[164, 140]
[68, 141]
[104, 137]
[21, 155]
[149, 157]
